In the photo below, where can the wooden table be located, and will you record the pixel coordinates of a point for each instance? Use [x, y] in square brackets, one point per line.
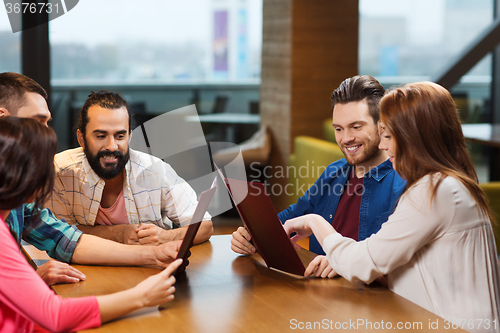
[225, 292]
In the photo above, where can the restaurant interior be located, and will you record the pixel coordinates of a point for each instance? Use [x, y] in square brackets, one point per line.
[260, 76]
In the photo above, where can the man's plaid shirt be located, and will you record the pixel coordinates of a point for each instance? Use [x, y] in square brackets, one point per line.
[153, 191]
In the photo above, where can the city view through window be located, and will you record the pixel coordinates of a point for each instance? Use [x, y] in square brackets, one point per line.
[418, 38]
[165, 54]
[158, 41]
[221, 39]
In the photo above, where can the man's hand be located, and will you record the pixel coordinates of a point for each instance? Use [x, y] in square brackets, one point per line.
[320, 267]
[150, 234]
[240, 243]
[54, 271]
[129, 234]
[121, 233]
[166, 253]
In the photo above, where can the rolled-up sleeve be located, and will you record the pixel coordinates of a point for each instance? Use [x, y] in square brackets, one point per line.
[48, 233]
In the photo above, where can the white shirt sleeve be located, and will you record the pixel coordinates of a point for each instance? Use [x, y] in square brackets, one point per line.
[415, 223]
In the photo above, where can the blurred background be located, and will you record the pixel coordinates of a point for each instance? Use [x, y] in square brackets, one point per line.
[165, 54]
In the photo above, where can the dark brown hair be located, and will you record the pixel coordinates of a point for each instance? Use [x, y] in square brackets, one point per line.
[13, 86]
[27, 151]
[425, 125]
[104, 99]
[360, 88]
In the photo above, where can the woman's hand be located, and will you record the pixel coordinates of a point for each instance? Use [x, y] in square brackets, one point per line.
[320, 267]
[159, 288]
[155, 290]
[305, 225]
[240, 242]
[299, 227]
[54, 271]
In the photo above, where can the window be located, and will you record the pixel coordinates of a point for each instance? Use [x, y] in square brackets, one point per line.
[157, 40]
[405, 41]
[10, 52]
[162, 54]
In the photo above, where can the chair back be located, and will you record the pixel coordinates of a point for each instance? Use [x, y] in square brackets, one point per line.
[220, 104]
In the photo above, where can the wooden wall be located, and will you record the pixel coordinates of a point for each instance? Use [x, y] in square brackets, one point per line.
[308, 48]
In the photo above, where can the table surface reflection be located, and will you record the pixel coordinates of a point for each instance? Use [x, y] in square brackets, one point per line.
[225, 292]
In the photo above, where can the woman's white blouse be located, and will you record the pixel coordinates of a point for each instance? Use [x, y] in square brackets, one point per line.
[440, 255]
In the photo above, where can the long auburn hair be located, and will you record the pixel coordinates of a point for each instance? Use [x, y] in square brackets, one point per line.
[425, 125]
[27, 151]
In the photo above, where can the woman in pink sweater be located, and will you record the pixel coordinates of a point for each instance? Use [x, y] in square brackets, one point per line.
[26, 175]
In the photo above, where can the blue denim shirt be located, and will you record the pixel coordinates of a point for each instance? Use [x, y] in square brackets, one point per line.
[382, 188]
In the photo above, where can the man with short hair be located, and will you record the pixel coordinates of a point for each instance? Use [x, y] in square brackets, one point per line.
[356, 194]
[112, 191]
[23, 97]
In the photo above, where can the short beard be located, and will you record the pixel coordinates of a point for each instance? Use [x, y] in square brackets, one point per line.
[370, 153]
[109, 172]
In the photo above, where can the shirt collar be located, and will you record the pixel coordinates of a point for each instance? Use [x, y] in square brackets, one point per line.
[378, 173]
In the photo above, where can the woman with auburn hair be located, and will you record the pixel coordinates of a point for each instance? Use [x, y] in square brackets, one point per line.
[26, 175]
[437, 248]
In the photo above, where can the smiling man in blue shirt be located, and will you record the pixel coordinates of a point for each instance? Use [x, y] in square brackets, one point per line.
[356, 194]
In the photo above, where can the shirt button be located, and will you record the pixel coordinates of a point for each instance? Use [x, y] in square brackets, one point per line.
[331, 216]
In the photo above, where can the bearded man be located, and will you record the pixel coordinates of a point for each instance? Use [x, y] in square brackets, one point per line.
[356, 194]
[109, 190]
